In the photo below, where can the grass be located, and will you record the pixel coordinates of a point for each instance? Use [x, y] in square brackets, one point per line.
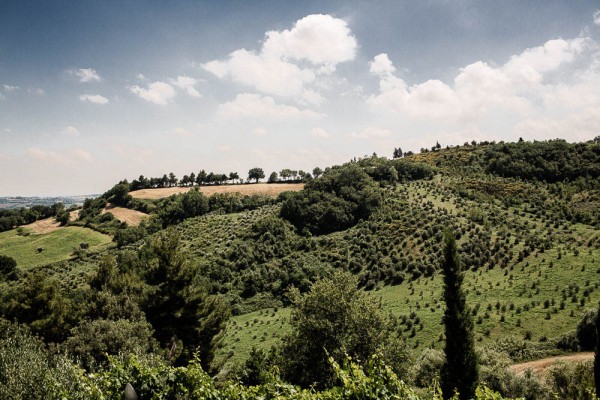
[57, 245]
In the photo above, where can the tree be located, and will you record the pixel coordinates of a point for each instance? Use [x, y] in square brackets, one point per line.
[192, 179]
[256, 174]
[597, 354]
[8, 268]
[334, 319]
[119, 195]
[185, 317]
[233, 176]
[317, 172]
[285, 173]
[397, 153]
[273, 177]
[460, 371]
[201, 178]
[172, 179]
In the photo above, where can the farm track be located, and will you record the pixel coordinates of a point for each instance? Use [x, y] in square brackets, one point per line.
[540, 367]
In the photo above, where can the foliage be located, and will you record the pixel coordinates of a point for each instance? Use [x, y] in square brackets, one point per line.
[38, 301]
[460, 371]
[8, 268]
[336, 201]
[573, 382]
[178, 306]
[92, 341]
[586, 331]
[332, 319]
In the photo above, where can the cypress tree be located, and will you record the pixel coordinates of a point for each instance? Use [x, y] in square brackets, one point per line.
[597, 354]
[460, 371]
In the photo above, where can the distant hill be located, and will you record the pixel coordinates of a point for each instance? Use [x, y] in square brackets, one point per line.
[11, 202]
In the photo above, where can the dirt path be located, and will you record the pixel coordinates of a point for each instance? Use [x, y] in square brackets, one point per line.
[132, 217]
[270, 189]
[539, 367]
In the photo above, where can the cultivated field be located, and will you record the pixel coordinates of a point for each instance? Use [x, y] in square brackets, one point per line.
[48, 225]
[269, 189]
[131, 217]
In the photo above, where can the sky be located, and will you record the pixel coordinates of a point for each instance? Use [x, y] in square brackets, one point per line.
[93, 92]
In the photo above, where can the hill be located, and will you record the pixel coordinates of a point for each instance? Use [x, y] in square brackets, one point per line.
[526, 217]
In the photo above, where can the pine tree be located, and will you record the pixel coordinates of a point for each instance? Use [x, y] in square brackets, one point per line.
[460, 371]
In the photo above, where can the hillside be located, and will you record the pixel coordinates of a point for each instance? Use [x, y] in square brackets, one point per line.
[526, 217]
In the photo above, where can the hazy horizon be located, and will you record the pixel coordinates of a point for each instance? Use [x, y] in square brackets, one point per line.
[95, 92]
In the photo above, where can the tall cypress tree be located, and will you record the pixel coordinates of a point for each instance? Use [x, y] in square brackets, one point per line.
[460, 371]
[597, 354]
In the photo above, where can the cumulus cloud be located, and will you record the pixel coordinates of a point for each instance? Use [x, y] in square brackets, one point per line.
[68, 157]
[381, 65]
[597, 17]
[10, 88]
[262, 107]
[86, 75]
[479, 88]
[94, 98]
[70, 131]
[160, 93]
[186, 83]
[290, 60]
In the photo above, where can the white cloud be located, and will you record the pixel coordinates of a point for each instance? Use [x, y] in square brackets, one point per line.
[93, 98]
[85, 74]
[2, 97]
[320, 133]
[321, 41]
[70, 131]
[36, 91]
[158, 93]
[262, 107]
[381, 65]
[10, 88]
[68, 157]
[260, 131]
[371, 133]
[479, 88]
[597, 17]
[186, 83]
[224, 148]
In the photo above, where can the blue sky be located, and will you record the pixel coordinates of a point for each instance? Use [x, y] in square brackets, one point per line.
[92, 92]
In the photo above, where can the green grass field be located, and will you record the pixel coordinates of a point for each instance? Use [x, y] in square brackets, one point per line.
[57, 245]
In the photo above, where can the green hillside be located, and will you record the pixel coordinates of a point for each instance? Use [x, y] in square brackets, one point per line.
[36, 250]
[215, 275]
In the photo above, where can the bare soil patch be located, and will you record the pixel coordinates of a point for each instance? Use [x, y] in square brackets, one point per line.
[540, 367]
[132, 217]
[270, 189]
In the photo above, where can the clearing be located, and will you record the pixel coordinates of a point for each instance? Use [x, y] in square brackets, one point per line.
[36, 250]
[48, 225]
[540, 367]
[270, 189]
[131, 217]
